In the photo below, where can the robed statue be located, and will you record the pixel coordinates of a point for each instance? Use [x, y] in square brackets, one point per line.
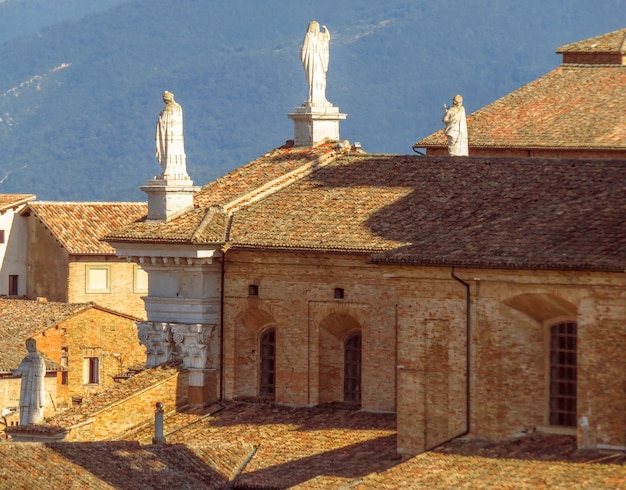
[314, 55]
[456, 127]
[32, 370]
[169, 138]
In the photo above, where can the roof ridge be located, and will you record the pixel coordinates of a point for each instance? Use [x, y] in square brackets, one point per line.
[280, 182]
[208, 217]
[89, 202]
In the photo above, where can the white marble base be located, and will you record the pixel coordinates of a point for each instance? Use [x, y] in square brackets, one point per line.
[169, 198]
[313, 124]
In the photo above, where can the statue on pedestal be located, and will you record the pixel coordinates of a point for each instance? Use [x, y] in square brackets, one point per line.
[169, 138]
[32, 370]
[315, 55]
[456, 127]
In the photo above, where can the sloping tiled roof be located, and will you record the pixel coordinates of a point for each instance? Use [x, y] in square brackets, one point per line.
[511, 213]
[612, 42]
[78, 226]
[8, 201]
[111, 465]
[22, 319]
[580, 105]
[207, 223]
[198, 226]
[317, 447]
[574, 107]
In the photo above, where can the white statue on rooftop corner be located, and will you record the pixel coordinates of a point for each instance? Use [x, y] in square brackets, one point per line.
[456, 127]
[32, 370]
[169, 138]
[315, 55]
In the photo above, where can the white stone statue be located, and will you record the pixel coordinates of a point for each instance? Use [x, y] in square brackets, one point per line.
[456, 127]
[32, 370]
[170, 143]
[315, 55]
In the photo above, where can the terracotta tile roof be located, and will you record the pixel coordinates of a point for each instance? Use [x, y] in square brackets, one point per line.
[118, 392]
[612, 42]
[78, 226]
[271, 170]
[207, 223]
[577, 106]
[111, 465]
[511, 213]
[22, 319]
[249, 446]
[8, 201]
[439, 471]
[199, 226]
[573, 107]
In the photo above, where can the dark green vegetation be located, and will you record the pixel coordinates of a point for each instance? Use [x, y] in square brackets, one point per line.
[81, 85]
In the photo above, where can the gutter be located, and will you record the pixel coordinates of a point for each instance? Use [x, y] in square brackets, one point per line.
[222, 274]
[468, 325]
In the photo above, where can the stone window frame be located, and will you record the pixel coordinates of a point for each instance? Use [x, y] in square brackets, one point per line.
[89, 289]
[137, 287]
[91, 370]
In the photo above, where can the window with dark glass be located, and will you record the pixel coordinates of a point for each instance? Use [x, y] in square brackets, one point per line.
[352, 368]
[13, 283]
[267, 349]
[563, 339]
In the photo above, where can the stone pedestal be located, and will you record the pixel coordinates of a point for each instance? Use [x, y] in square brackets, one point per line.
[168, 198]
[313, 124]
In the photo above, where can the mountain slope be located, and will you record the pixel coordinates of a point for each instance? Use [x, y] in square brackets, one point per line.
[79, 99]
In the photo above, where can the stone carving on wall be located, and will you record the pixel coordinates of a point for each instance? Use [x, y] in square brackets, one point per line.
[32, 370]
[314, 55]
[456, 127]
[169, 138]
[194, 341]
[157, 337]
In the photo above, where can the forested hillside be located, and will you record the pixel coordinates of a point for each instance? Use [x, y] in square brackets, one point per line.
[79, 98]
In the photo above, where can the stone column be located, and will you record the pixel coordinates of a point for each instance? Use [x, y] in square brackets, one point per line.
[157, 337]
[198, 345]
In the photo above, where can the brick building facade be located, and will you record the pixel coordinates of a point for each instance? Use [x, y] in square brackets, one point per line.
[86, 347]
[470, 295]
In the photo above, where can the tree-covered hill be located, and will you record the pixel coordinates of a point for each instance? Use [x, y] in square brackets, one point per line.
[79, 98]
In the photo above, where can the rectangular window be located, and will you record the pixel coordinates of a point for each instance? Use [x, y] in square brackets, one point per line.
[140, 280]
[1, 236]
[13, 282]
[563, 366]
[91, 370]
[64, 380]
[98, 279]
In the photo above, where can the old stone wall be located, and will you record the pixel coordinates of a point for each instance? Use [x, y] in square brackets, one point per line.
[124, 293]
[296, 296]
[96, 333]
[414, 325]
[136, 409]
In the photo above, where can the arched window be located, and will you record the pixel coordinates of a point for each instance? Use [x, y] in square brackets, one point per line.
[352, 368]
[267, 361]
[563, 374]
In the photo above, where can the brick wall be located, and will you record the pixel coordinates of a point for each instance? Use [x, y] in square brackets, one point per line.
[296, 296]
[413, 323]
[133, 410]
[96, 333]
[123, 295]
